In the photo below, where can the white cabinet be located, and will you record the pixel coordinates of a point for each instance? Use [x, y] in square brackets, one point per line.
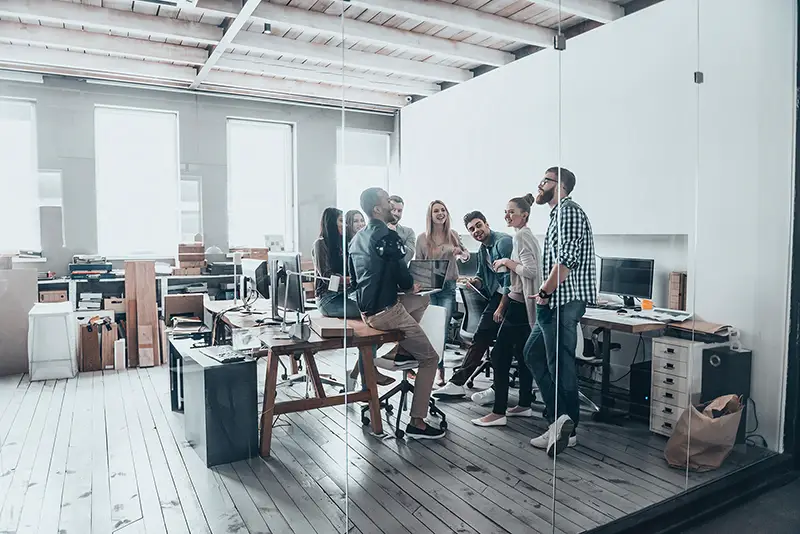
[677, 379]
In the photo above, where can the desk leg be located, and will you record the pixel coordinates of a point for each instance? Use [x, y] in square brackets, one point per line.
[313, 373]
[367, 357]
[293, 364]
[267, 416]
[605, 385]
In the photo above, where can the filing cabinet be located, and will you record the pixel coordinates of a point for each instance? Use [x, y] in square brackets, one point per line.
[676, 380]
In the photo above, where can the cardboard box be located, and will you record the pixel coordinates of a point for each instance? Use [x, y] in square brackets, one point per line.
[182, 271]
[53, 295]
[117, 305]
[185, 257]
[253, 253]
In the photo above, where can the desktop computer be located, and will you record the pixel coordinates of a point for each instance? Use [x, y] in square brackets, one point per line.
[256, 277]
[629, 278]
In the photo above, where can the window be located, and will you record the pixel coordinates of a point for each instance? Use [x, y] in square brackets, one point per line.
[136, 175]
[260, 183]
[19, 172]
[191, 209]
[363, 162]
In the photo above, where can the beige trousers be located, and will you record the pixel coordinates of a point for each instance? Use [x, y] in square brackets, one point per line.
[405, 316]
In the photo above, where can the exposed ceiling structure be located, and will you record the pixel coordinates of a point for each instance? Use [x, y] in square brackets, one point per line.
[380, 55]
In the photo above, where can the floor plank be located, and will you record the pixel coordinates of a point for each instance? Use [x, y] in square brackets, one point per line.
[76, 504]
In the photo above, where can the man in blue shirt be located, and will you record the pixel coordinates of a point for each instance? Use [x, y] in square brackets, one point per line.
[491, 285]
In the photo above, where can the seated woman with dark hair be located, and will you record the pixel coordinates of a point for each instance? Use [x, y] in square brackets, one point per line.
[329, 260]
[354, 222]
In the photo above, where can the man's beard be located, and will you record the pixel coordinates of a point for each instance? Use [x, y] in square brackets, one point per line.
[393, 219]
[544, 197]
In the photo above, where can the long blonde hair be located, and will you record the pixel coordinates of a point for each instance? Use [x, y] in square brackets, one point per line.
[429, 226]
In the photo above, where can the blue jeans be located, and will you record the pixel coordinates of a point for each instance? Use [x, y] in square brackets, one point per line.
[542, 355]
[447, 299]
[331, 304]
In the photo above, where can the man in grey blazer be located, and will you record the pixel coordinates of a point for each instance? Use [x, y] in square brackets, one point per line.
[405, 233]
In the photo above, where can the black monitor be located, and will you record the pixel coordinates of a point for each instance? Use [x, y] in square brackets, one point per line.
[627, 277]
[256, 278]
[286, 286]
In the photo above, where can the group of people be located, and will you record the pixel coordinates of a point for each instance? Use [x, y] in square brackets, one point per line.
[535, 298]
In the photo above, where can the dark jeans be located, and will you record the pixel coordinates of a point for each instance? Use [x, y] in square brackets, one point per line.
[331, 304]
[481, 340]
[445, 298]
[542, 355]
[511, 338]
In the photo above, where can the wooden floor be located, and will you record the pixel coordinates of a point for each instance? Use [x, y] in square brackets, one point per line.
[104, 453]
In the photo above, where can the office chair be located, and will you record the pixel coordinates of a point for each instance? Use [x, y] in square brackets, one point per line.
[590, 355]
[432, 324]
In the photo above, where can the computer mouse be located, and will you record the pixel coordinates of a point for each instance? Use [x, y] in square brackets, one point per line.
[622, 311]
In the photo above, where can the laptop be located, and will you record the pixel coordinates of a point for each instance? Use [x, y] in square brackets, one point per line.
[430, 274]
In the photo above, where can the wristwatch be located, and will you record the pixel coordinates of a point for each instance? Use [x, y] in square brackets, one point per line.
[543, 295]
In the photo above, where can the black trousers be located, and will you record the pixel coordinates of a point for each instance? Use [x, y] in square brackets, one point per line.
[483, 338]
[511, 339]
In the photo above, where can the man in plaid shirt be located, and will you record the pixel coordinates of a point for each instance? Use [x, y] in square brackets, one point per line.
[569, 285]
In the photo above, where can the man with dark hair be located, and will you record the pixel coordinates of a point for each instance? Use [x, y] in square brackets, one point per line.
[569, 285]
[492, 285]
[405, 233]
[378, 270]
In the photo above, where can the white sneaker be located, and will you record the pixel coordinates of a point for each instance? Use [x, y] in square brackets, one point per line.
[542, 441]
[500, 421]
[517, 411]
[560, 433]
[483, 397]
[449, 391]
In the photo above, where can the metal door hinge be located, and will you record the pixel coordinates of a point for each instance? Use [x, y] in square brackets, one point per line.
[560, 41]
[698, 77]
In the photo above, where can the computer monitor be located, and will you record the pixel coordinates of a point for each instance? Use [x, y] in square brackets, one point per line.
[256, 276]
[469, 268]
[286, 285]
[627, 277]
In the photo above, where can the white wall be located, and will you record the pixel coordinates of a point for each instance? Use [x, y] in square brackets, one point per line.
[629, 123]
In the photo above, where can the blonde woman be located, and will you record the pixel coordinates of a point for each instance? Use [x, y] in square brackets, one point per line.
[441, 242]
[516, 315]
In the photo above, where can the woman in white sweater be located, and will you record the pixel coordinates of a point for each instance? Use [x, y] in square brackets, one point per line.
[517, 315]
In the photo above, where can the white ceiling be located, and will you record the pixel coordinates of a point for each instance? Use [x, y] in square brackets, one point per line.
[392, 50]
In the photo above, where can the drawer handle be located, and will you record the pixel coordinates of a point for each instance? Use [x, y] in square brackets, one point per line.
[669, 381]
[668, 395]
[669, 366]
[670, 351]
[667, 410]
[667, 425]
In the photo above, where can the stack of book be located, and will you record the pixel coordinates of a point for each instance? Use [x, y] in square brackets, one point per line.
[90, 301]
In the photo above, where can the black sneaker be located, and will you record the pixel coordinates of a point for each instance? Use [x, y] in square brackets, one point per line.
[428, 432]
[403, 357]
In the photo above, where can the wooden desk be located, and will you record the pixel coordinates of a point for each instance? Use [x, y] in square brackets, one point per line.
[610, 320]
[366, 339]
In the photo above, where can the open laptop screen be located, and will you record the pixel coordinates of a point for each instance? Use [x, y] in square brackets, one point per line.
[430, 274]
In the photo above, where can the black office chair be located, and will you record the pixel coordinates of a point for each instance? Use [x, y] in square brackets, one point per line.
[474, 304]
[592, 356]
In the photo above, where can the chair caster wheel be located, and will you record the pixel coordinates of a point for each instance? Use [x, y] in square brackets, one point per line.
[365, 420]
[399, 434]
[443, 426]
[470, 384]
[389, 409]
[284, 376]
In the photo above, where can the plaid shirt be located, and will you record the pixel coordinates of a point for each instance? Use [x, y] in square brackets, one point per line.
[576, 253]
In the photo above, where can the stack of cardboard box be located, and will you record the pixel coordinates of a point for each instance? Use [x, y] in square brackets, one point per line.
[191, 259]
[677, 291]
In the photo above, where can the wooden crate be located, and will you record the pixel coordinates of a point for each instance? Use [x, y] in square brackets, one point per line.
[117, 305]
[53, 295]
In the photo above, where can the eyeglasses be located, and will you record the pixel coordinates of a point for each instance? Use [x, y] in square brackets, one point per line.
[545, 180]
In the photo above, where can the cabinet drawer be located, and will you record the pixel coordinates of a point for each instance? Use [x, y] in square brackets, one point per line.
[670, 367]
[661, 425]
[670, 352]
[665, 411]
[673, 398]
[671, 382]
